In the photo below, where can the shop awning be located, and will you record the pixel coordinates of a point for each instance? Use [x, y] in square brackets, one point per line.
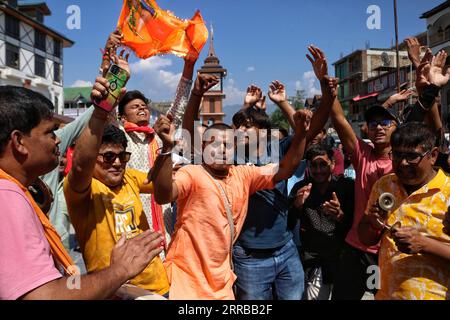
[359, 98]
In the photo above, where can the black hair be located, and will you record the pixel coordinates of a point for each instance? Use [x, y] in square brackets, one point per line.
[115, 136]
[284, 132]
[413, 135]
[21, 109]
[255, 116]
[320, 149]
[129, 96]
[219, 126]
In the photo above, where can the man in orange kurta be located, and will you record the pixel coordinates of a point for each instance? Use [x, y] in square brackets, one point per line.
[198, 261]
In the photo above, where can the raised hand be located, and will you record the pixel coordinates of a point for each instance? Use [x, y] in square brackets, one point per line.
[277, 92]
[100, 89]
[333, 207]
[331, 84]
[203, 83]
[398, 97]
[437, 75]
[413, 47]
[423, 71]
[165, 130]
[318, 61]
[302, 119]
[302, 195]
[132, 256]
[254, 94]
[261, 103]
[113, 42]
[121, 60]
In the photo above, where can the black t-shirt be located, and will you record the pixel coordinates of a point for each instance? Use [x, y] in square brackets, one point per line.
[321, 235]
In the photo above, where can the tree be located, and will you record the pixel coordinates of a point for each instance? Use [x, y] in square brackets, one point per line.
[277, 117]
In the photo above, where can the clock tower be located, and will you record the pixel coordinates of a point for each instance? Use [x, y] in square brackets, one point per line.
[211, 109]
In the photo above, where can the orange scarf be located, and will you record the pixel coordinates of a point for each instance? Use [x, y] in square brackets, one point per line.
[57, 249]
[157, 212]
[148, 30]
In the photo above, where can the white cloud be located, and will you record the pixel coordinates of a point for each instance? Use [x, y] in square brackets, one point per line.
[152, 78]
[82, 83]
[151, 64]
[251, 69]
[233, 94]
[309, 84]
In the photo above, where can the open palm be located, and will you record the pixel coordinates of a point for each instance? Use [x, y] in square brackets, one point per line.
[318, 62]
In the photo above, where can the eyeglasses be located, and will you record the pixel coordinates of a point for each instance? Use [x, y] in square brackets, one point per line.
[385, 124]
[410, 157]
[110, 157]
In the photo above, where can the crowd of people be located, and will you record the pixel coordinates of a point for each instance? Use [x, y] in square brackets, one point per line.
[250, 212]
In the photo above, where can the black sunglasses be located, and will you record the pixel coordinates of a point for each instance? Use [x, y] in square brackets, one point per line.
[410, 157]
[110, 157]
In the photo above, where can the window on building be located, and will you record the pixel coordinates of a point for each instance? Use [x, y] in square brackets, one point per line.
[56, 101]
[39, 66]
[385, 82]
[392, 80]
[12, 56]
[39, 16]
[402, 76]
[57, 48]
[341, 92]
[12, 27]
[356, 64]
[370, 87]
[39, 40]
[57, 72]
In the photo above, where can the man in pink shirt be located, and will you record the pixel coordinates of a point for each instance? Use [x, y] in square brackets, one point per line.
[30, 248]
[370, 164]
[212, 203]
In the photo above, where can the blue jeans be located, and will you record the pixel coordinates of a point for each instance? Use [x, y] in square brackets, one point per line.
[268, 274]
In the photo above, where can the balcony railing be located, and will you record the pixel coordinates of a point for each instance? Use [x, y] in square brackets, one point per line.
[439, 37]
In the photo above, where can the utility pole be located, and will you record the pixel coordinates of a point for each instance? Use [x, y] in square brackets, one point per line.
[396, 46]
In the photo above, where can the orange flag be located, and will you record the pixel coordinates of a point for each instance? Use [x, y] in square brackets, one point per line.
[148, 30]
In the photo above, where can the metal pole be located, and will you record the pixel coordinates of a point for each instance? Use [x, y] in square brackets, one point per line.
[396, 46]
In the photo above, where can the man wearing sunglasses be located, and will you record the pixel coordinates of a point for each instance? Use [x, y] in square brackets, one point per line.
[371, 162]
[414, 255]
[103, 196]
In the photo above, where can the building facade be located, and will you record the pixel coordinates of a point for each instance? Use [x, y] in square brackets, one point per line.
[364, 74]
[31, 53]
[438, 32]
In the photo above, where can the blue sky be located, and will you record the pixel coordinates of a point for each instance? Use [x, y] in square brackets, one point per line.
[256, 40]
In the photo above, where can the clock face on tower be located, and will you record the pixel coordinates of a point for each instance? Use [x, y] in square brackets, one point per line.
[218, 86]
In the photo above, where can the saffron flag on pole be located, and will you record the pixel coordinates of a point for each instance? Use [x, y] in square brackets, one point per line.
[148, 30]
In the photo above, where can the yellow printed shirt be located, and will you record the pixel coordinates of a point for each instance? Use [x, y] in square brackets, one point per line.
[100, 216]
[414, 276]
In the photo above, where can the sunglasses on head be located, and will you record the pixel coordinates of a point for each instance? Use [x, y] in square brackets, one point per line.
[383, 123]
[110, 157]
